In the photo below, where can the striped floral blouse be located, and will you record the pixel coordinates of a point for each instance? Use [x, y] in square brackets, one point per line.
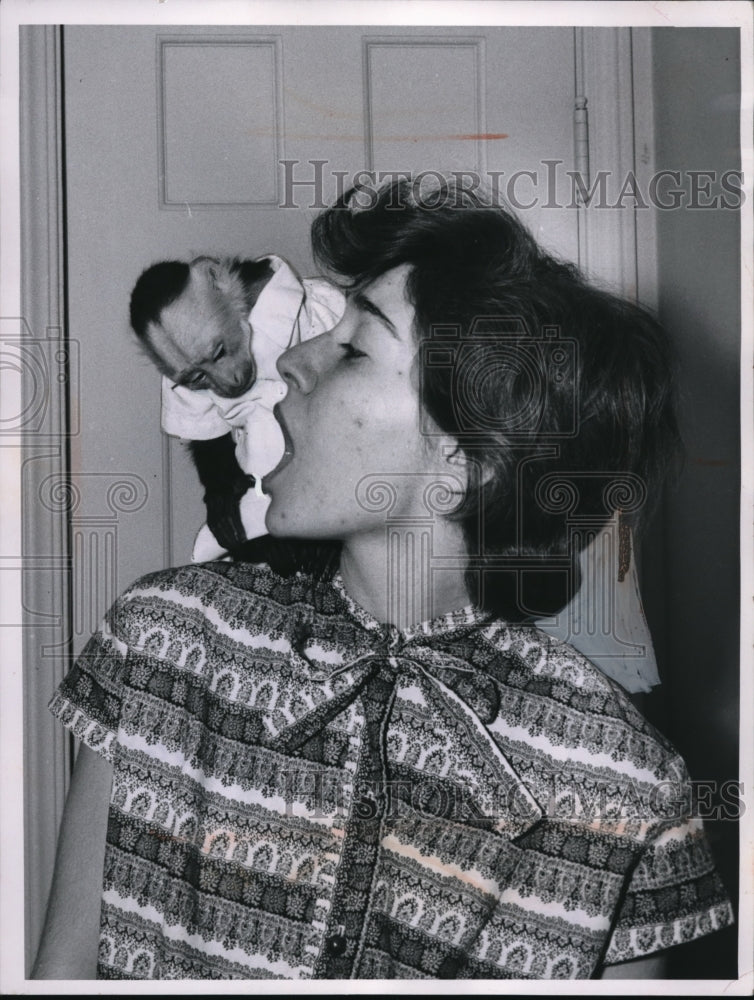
[301, 792]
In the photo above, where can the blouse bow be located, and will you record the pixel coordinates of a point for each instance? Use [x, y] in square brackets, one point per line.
[438, 684]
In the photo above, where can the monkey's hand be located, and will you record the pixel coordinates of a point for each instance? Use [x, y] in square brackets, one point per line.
[223, 512]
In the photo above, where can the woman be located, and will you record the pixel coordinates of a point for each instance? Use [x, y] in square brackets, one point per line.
[385, 771]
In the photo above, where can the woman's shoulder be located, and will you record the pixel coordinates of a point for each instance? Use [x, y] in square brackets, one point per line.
[203, 583]
[566, 700]
[211, 605]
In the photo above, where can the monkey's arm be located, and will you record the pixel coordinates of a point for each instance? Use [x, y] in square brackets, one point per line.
[224, 483]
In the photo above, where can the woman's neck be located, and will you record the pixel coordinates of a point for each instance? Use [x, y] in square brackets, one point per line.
[407, 576]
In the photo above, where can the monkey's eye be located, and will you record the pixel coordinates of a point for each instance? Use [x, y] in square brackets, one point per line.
[219, 352]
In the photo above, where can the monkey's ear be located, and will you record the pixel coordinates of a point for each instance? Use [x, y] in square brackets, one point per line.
[229, 283]
[208, 267]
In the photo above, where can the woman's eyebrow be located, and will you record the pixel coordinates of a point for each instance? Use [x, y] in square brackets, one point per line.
[361, 301]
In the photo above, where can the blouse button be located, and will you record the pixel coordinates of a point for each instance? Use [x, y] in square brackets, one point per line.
[335, 944]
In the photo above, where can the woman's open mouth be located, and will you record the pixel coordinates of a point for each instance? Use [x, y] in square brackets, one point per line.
[287, 453]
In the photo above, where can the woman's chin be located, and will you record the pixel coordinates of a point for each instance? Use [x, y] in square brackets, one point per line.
[275, 523]
[279, 524]
[283, 525]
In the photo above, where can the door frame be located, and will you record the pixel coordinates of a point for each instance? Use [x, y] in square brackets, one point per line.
[46, 498]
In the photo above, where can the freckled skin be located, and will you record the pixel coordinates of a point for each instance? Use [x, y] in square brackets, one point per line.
[351, 417]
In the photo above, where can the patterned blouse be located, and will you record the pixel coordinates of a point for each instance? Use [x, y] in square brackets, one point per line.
[301, 792]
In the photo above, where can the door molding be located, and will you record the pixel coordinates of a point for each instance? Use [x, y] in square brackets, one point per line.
[45, 460]
[613, 72]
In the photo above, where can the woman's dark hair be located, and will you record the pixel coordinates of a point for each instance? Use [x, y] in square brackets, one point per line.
[560, 394]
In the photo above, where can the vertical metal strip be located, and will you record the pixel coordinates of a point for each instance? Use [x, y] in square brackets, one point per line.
[580, 142]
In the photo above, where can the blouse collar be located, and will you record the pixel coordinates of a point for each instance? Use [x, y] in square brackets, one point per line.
[468, 616]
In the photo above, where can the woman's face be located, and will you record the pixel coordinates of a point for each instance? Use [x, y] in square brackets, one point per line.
[352, 411]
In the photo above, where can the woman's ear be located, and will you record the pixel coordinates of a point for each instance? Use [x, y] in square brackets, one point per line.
[461, 464]
[457, 456]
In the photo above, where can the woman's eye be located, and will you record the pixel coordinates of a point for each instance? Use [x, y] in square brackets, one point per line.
[350, 352]
[219, 353]
[196, 381]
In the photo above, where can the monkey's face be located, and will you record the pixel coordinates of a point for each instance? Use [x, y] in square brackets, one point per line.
[202, 342]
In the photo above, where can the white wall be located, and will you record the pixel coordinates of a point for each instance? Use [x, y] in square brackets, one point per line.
[696, 107]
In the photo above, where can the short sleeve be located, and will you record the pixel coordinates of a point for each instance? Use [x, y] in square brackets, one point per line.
[88, 701]
[674, 895]
[190, 413]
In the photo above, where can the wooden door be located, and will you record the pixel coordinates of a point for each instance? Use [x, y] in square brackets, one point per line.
[188, 140]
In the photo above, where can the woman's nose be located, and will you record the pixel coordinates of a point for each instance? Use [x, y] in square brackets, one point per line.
[300, 366]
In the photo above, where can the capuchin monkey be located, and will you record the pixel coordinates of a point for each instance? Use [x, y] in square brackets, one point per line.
[215, 329]
[193, 322]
